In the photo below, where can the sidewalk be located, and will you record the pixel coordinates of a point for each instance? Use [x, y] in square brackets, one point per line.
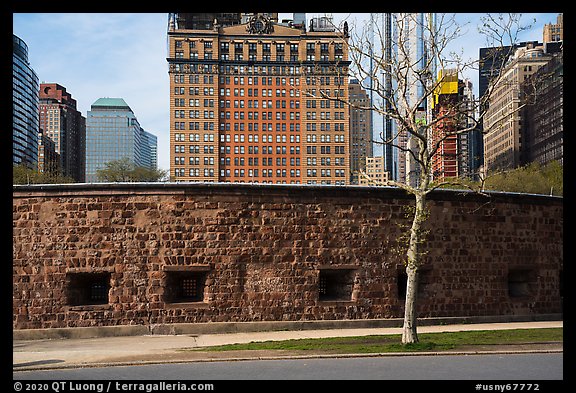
[131, 350]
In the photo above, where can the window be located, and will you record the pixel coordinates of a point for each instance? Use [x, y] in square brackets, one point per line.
[185, 286]
[87, 288]
[519, 282]
[335, 284]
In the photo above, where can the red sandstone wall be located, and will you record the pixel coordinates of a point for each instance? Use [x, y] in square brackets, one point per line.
[261, 250]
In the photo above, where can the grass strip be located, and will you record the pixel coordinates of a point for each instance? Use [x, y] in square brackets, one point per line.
[392, 343]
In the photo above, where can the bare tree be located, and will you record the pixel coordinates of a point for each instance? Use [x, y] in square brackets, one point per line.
[388, 65]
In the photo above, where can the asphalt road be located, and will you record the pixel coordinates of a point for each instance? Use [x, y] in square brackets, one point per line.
[517, 367]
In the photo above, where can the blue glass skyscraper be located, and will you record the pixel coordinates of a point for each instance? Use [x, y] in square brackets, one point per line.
[24, 107]
[113, 133]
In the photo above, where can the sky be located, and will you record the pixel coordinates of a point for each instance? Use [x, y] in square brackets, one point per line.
[124, 56]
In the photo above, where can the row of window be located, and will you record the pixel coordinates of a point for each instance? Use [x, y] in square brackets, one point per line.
[280, 104]
[237, 115]
[266, 161]
[270, 149]
[241, 161]
[256, 173]
[252, 80]
[264, 57]
[255, 161]
[250, 173]
[181, 137]
[240, 173]
[257, 70]
[294, 104]
[241, 80]
[241, 92]
[237, 92]
[194, 172]
[326, 172]
[189, 286]
[237, 126]
[255, 80]
[325, 115]
[266, 46]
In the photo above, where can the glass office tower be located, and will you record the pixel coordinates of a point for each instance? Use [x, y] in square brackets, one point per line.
[24, 107]
[113, 133]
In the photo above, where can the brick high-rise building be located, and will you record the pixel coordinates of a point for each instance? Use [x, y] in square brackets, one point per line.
[66, 126]
[249, 102]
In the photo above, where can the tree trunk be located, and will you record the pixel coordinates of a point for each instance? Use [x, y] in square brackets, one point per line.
[409, 331]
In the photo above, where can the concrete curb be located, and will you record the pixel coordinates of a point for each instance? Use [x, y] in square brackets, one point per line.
[260, 326]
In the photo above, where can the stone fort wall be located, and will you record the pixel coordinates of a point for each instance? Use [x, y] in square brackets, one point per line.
[145, 253]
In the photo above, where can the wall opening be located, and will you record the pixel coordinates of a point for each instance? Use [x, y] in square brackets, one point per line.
[424, 282]
[401, 282]
[87, 288]
[519, 282]
[185, 286]
[335, 284]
